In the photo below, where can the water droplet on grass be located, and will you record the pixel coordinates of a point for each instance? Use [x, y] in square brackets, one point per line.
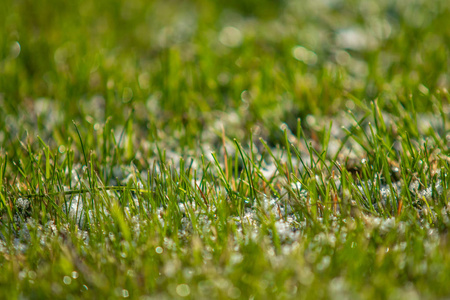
[15, 50]
[302, 54]
[127, 95]
[74, 274]
[230, 37]
[183, 290]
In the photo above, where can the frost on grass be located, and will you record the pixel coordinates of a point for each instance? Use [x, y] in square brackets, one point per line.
[280, 211]
[276, 213]
[75, 210]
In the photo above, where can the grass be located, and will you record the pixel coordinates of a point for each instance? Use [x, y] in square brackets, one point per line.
[235, 149]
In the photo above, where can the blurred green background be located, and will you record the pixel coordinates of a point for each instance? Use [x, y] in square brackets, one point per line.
[180, 65]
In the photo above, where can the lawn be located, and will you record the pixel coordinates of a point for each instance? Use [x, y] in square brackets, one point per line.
[224, 149]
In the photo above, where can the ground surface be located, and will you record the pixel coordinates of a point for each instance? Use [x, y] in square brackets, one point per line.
[235, 150]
